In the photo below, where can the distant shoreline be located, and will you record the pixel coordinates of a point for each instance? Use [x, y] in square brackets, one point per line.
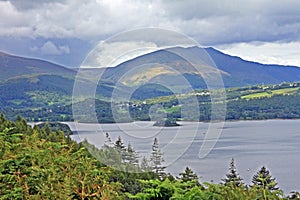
[214, 121]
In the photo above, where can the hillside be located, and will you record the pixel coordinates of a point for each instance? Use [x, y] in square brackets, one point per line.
[27, 83]
[163, 65]
[15, 66]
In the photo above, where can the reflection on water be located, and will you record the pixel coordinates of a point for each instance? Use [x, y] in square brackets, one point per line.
[273, 143]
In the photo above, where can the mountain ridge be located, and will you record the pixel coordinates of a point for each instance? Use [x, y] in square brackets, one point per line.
[235, 71]
[16, 66]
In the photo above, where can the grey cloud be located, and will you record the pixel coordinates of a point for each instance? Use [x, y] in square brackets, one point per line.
[32, 4]
[229, 21]
[210, 22]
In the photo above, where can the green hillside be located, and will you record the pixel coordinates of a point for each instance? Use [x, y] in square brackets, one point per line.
[15, 66]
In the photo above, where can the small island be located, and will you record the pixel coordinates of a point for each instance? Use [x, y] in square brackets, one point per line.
[168, 122]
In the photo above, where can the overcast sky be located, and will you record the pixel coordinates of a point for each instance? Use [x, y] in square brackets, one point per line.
[64, 31]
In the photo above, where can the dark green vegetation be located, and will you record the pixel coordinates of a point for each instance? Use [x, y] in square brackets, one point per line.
[55, 126]
[247, 103]
[37, 163]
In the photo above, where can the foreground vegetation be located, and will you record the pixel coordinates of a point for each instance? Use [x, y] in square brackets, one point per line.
[37, 163]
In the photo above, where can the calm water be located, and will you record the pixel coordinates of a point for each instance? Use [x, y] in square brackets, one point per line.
[273, 143]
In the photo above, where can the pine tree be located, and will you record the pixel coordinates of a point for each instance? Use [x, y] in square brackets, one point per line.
[131, 155]
[264, 179]
[157, 160]
[108, 142]
[233, 177]
[120, 147]
[188, 175]
[145, 165]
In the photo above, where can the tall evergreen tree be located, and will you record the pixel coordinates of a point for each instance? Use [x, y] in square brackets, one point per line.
[233, 177]
[131, 155]
[145, 164]
[157, 160]
[108, 142]
[264, 179]
[120, 147]
[188, 175]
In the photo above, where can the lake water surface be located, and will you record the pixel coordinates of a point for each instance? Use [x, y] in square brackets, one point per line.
[273, 143]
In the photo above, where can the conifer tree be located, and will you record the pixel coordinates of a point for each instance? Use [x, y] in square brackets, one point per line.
[233, 177]
[123, 151]
[108, 142]
[264, 179]
[145, 164]
[157, 160]
[120, 147]
[188, 175]
[131, 155]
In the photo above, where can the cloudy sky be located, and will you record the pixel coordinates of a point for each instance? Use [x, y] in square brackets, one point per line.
[64, 31]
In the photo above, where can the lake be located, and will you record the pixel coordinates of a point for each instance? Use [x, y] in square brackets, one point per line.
[273, 143]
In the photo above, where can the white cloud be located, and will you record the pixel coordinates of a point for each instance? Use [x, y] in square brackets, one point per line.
[49, 48]
[266, 52]
[112, 54]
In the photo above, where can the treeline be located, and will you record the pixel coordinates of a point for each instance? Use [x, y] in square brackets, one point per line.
[37, 163]
[275, 107]
[50, 107]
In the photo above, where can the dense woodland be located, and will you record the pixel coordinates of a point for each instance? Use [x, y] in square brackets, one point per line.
[37, 163]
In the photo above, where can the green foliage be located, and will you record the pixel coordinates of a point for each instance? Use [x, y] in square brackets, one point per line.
[32, 167]
[155, 189]
[37, 163]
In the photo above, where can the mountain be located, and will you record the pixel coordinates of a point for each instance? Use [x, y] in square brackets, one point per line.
[165, 66]
[15, 66]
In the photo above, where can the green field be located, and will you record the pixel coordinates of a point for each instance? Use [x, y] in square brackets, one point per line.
[173, 109]
[269, 93]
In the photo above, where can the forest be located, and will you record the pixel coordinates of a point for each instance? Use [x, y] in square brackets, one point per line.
[38, 163]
